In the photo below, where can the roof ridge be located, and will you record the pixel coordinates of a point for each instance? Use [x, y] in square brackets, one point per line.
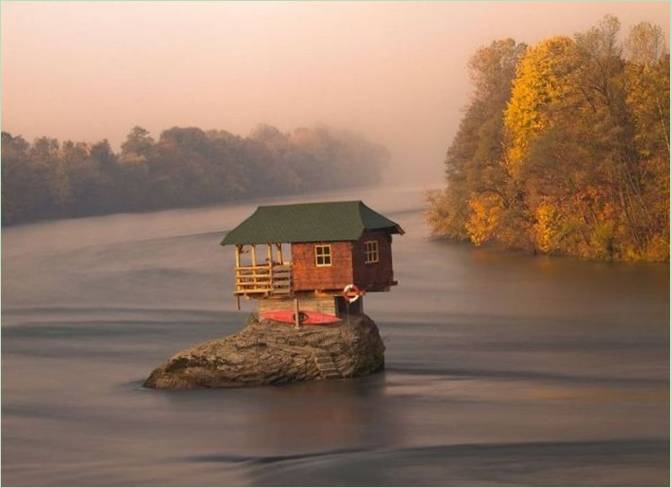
[360, 207]
[310, 203]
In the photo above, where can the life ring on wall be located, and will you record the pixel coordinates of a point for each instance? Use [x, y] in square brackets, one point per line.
[351, 293]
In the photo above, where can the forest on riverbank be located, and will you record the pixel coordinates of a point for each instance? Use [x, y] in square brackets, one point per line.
[564, 147]
[184, 167]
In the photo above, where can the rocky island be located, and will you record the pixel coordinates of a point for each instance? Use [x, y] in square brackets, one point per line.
[266, 352]
[320, 259]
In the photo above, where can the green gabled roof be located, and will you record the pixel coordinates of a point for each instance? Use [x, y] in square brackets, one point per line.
[309, 222]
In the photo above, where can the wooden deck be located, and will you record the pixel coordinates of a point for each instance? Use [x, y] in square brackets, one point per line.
[263, 280]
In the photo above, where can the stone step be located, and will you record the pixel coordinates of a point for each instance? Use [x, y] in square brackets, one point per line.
[327, 368]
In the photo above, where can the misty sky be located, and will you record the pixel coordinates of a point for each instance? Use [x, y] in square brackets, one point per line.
[394, 71]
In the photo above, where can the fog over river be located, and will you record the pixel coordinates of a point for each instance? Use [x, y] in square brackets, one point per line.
[500, 368]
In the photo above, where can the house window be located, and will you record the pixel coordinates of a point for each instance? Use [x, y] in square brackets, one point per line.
[371, 252]
[323, 255]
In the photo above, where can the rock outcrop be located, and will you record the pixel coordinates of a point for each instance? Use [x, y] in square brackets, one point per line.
[268, 353]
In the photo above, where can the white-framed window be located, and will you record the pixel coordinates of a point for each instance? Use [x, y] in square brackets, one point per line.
[322, 255]
[371, 252]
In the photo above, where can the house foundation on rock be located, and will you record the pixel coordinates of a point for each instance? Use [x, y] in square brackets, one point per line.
[316, 256]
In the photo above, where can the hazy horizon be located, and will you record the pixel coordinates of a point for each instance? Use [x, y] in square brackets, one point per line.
[395, 72]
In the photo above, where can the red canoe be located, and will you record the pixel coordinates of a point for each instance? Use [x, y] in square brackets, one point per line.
[307, 317]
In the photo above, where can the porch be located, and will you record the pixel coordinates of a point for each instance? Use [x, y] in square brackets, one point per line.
[270, 278]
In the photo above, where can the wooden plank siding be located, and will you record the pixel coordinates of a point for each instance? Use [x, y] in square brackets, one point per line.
[307, 276]
[373, 276]
[306, 302]
[333, 305]
[347, 265]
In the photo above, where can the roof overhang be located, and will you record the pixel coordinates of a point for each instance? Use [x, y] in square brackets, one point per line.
[310, 222]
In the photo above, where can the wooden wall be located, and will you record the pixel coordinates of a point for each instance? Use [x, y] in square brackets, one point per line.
[333, 305]
[373, 276]
[306, 275]
[348, 265]
[306, 302]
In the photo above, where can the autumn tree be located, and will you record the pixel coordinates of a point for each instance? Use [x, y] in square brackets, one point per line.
[476, 177]
[586, 152]
[647, 100]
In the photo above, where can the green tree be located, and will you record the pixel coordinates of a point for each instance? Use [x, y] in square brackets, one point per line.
[186, 166]
[138, 146]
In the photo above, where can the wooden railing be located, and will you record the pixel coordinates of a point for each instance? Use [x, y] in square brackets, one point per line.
[266, 279]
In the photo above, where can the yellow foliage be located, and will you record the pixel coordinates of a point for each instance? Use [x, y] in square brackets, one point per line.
[547, 227]
[658, 248]
[444, 215]
[602, 240]
[648, 101]
[580, 164]
[485, 215]
[543, 79]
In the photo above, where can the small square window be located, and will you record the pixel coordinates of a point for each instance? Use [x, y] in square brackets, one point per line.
[323, 255]
[371, 252]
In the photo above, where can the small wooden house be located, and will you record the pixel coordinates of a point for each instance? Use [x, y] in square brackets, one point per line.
[312, 252]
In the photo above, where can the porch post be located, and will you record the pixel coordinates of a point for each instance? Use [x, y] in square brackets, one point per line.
[297, 318]
[279, 253]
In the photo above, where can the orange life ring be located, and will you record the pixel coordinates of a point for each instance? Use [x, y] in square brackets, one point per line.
[351, 293]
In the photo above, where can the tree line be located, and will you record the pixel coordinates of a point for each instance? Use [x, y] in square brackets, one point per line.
[184, 167]
[564, 147]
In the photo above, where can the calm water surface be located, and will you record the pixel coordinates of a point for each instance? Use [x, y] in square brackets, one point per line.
[501, 368]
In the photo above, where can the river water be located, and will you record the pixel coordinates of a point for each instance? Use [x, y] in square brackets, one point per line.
[500, 368]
